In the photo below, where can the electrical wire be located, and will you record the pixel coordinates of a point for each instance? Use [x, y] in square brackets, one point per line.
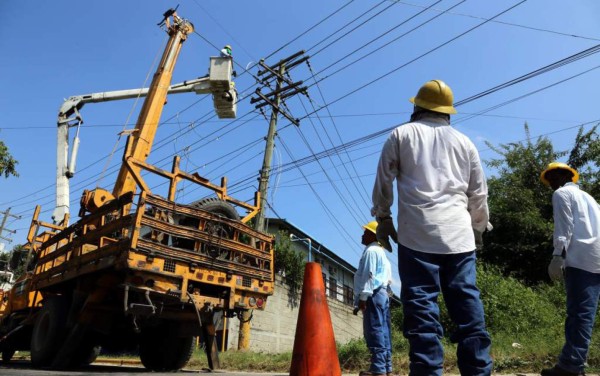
[501, 22]
[335, 127]
[326, 209]
[420, 56]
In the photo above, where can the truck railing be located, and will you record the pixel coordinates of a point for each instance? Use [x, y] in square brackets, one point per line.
[159, 228]
[176, 175]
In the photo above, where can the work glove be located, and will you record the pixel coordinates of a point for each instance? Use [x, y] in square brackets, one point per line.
[385, 231]
[556, 268]
[479, 236]
[478, 239]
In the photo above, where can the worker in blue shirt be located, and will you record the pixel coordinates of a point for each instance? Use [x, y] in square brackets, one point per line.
[371, 283]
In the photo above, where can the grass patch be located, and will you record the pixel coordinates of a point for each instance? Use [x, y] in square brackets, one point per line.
[244, 361]
[526, 325]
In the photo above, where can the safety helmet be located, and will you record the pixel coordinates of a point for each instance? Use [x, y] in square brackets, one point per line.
[227, 46]
[435, 96]
[555, 166]
[371, 226]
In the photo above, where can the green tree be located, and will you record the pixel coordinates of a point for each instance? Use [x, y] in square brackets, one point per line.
[289, 264]
[7, 162]
[17, 260]
[521, 206]
[13, 261]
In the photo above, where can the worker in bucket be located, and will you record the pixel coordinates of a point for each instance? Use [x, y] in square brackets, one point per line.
[371, 283]
[442, 210]
[576, 258]
[226, 51]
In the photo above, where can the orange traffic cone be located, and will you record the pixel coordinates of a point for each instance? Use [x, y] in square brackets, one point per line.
[314, 345]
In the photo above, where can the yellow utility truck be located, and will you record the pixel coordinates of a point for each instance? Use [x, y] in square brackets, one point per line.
[139, 269]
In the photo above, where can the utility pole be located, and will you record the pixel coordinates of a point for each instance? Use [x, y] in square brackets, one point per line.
[275, 99]
[284, 88]
[3, 224]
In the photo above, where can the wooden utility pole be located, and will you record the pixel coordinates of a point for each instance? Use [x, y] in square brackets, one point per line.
[284, 88]
[275, 99]
[3, 223]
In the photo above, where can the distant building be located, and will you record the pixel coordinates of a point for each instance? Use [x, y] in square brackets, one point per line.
[338, 274]
[273, 329]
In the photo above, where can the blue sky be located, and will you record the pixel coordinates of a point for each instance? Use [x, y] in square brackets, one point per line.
[53, 50]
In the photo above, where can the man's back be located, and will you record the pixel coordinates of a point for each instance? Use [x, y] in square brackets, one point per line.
[577, 227]
[441, 187]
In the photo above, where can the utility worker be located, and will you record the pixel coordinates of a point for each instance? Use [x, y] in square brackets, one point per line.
[442, 210]
[577, 252]
[226, 51]
[371, 283]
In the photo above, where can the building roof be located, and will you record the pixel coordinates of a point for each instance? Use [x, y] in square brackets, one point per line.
[284, 224]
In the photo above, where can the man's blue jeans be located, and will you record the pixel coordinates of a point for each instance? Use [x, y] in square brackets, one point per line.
[583, 290]
[423, 276]
[377, 331]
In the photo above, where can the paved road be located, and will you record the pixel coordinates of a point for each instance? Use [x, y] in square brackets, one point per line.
[23, 368]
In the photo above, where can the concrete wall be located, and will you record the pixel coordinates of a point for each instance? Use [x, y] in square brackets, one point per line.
[273, 329]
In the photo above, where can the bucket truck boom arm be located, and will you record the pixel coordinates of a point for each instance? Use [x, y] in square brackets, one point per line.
[217, 82]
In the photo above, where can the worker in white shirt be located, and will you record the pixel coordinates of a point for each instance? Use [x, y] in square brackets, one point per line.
[577, 253]
[442, 210]
[371, 282]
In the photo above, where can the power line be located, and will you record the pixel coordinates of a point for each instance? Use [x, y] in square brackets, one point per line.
[421, 56]
[224, 29]
[347, 24]
[500, 22]
[369, 54]
[338, 116]
[349, 207]
[339, 137]
[350, 31]
[309, 29]
[557, 64]
[467, 118]
[328, 212]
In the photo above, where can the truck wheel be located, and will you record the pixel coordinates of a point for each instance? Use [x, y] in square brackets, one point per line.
[218, 206]
[86, 355]
[7, 355]
[48, 331]
[161, 351]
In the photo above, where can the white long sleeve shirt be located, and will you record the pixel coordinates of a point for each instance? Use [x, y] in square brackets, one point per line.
[442, 191]
[577, 227]
[374, 271]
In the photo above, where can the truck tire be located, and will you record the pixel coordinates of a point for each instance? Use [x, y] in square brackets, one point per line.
[86, 355]
[7, 355]
[217, 206]
[162, 351]
[48, 331]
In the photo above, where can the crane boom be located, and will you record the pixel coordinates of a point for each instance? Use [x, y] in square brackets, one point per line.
[69, 116]
[218, 83]
[147, 123]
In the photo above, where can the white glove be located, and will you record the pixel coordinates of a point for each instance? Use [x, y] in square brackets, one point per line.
[386, 230]
[556, 268]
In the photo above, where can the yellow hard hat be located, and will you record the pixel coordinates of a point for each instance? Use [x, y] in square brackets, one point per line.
[227, 46]
[371, 226]
[436, 96]
[557, 165]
